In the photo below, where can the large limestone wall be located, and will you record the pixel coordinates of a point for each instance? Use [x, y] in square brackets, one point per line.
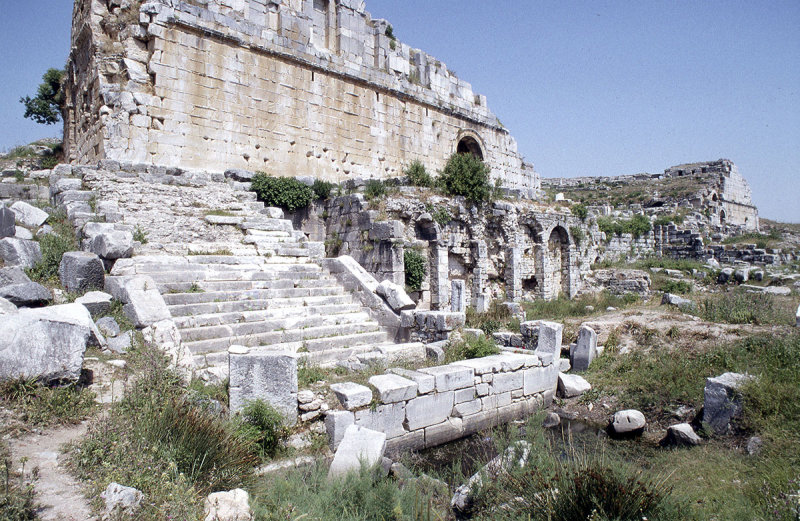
[293, 87]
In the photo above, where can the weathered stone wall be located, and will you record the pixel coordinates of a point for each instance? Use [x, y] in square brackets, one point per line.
[292, 87]
[429, 407]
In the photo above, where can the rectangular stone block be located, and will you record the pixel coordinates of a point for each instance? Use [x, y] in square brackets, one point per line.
[425, 382]
[352, 395]
[550, 334]
[263, 375]
[481, 366]
[540, 379]
[450, 377]
[336, 422]
[384, 418]
[436, 435]
[505, 382]
[461, 410]
[465, 395]
[409, 441]
[393, 388]
[428, 410]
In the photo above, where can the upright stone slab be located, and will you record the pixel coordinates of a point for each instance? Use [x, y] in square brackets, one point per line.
[722, 400]
[395, 296]
[257, 374]
[7, 223]
[81, 271]
[360, 446]
[585, 349]
[458, 296]
[549, 346]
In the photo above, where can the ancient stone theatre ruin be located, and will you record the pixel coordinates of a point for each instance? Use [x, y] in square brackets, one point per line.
[289, 87]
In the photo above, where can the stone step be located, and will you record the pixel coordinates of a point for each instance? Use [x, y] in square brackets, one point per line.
[250, 295]
[245, 195]
[298, 328]
[267, 240]
[256, 305]
[189, 286]
[353, 312]
[300, 339]
[267, 223]
[267, 233]
[330, 357]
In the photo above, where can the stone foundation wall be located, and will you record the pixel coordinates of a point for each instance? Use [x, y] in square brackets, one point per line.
[291, 87]
[432, 406]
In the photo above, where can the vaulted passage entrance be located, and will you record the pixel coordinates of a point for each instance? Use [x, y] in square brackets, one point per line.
[469, 145]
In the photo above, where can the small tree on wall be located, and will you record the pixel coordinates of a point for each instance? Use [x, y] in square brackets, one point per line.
[468, 176]
[45, 107]
[416, 269]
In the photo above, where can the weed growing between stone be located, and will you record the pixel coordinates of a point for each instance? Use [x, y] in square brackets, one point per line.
[40, 405]
[155, 439]
[723, 482]
[54, 246]
[306, 493]
[582, 306]
[497, 318]
[740, 307]
[471, 347]
[16, 496]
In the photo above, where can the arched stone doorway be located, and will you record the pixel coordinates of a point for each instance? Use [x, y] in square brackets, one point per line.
[469, 145]
[558, 263]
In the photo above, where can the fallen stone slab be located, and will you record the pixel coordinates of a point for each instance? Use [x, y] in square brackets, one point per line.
[26, 294]
[722, 400]
[725, 275]
[6, 307]
[121, 500]
[97, 302]
[112, 245]
[395, 296]
[20, 252]
[676, 300]
[516, 455]
[28, 215]
[23, 233]
[336, 423]
[549, 344]
[572, 385]
[585, 349]
[46, 344]
[81, 271]
[13, 275]
[120, 343]
[233, 505]
[628, 422]
[682, 434]
[359, 446]
[145, 307]
[108, 327]
[352, 395]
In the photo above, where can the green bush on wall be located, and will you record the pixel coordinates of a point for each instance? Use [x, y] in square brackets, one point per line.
[468, 176]
[418, 175]
[416, 269]
[284, 192]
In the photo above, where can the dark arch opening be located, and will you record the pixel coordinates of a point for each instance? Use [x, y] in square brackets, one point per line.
[469, 145]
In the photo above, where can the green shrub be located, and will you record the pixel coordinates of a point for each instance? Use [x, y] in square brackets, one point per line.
[140, 235]
[577, 234]
[284, 192]
[471, 347]
[43, 405]
[322, 189]
[374, 189]
[17, 498]
[580, 211]
[265, 426]
[53, 246]
[745, 308]
[680, 287]
[442, 216]
[637, 226]
[157, 440]
[416, 267]
[468, 176]
[418, 175]
[46, 106]
[666, 220]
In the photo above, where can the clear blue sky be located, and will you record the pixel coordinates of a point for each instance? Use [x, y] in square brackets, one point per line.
[587, 88]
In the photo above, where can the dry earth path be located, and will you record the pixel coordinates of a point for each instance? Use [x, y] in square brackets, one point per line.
[58, 494]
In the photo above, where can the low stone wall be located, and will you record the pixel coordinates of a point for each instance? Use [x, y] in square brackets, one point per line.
[435, 405]
[430, 326]
[750, 253]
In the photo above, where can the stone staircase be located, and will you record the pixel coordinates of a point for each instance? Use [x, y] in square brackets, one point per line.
[258, 283]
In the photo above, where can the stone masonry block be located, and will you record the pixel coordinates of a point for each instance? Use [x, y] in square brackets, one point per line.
[450, 377]
[81, 271]
[428, 410]
[263, 375]
[539, 379]
[384, 418]
[393, 388]
[425, 382]
[336, 422]
[352, 395]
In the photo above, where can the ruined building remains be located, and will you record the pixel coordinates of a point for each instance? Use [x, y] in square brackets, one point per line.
[289, 87]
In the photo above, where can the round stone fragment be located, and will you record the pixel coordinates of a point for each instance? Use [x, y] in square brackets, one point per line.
[628, 421]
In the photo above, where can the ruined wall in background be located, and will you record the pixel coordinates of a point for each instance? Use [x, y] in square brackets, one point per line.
[291, 87]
